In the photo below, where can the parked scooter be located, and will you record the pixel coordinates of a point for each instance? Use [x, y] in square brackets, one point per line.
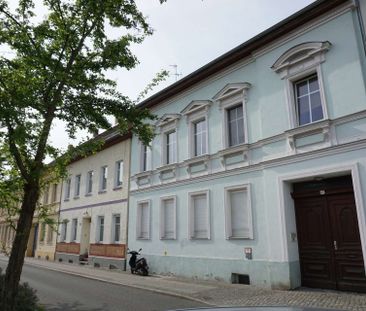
[138, 266]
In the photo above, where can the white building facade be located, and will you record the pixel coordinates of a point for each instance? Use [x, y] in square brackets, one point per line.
[257, 173]
[93, 213]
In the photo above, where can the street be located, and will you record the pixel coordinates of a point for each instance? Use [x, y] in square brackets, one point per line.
[61, 291]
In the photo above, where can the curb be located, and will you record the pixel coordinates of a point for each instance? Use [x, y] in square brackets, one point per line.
[95, 278]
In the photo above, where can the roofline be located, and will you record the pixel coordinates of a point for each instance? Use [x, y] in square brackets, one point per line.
[295, 20]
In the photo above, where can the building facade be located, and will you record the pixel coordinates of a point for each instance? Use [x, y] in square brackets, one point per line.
[93, 212]
[43, 234]
[257, 173]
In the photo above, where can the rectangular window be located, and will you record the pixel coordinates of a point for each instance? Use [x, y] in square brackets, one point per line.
[199, 216]
[238, 213]
[308, 101]
[146, 158]
[119, 173]
[89, 182]
[45, 195]
[100, 229]
[50, 234]
[74, 229]
[54, 192]
[116, 228]
[43, 232]
[77, 185]
[235, 123]
[171, 147]
[143, 220]
[103, 178]
[168, 218]
[67, 188]
[64, 231]
[200, 137]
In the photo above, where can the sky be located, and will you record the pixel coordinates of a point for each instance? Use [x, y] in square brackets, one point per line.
[189, 34]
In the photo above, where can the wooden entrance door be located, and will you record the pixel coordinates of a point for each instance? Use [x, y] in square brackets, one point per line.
[329, 240]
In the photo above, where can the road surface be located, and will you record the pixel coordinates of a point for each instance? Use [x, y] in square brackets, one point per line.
[60, 291]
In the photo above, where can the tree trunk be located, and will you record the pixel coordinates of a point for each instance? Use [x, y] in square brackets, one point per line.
[16, 260]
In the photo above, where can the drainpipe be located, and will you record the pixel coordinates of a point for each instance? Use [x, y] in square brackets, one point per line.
[361, 24]
[128, 201]
[59, 214]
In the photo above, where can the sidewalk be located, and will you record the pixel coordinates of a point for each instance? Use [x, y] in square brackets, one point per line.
[214, 293]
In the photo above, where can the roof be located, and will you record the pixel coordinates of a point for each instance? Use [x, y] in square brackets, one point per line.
[244, 50]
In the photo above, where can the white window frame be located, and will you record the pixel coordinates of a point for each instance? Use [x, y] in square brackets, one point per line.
[49, 234]
[77, 186]
[54, 192]
[191, 196]
[114, 216]
[227, 209]
[68, 189]
[148, 158]
[63, 237]
[46, 192]
[103, 171]
[167, 124]
[138, 220]
[89, 177]
[118, 179]
[98, 231]
[195, 112]
[165, 147]
[161, 222]
[74, 230]
[232, 95]
[297, 63]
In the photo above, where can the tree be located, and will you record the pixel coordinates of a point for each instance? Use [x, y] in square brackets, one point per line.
[57, 70]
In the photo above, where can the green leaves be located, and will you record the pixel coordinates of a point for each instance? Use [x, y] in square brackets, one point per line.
[56, 70]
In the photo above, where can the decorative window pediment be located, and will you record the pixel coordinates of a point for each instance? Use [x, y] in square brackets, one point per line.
[233, 89]
[300, 57]
[166, 119]
[196, 105]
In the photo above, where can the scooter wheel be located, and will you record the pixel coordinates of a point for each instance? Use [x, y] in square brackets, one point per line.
[145, 272]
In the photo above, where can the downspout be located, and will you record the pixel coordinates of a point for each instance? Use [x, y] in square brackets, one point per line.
[128, 200]
[59, 214]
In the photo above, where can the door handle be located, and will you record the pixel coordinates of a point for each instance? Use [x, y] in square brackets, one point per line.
[335, 245]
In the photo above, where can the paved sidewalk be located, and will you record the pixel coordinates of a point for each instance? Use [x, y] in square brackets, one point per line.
[215, 293]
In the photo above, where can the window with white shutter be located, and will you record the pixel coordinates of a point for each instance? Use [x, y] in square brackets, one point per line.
[168, 218]
[199, 218]
[143, 220]
[238, 213]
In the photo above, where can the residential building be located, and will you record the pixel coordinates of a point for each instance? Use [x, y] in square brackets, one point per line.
[42, 237]
[257, 173]
[93, 212]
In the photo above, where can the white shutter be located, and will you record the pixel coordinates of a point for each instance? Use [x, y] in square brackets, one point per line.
[240, 215]
[168, 219]
[200, 216]
[144, 231]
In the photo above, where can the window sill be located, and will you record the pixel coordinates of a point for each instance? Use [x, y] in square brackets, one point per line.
[198, 159]
[142, 238]
[167, 167]
[102, 191]
[76, 197]
[117, 187]
[309, 127]
[89, 194]
[204, 239]
[234, 149]
[168, 239]
[66, 200]
[143, 174]
[238, 238]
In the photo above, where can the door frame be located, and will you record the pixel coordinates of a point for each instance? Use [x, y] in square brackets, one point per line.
[287, 209]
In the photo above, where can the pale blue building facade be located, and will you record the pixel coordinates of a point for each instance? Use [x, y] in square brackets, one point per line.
[213, 198]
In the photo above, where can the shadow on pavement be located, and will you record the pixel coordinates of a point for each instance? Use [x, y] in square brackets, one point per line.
[71, 307]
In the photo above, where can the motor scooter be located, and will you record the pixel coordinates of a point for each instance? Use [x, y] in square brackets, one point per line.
[138, 265]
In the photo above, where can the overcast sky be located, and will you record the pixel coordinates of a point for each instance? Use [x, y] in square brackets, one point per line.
[189, 34]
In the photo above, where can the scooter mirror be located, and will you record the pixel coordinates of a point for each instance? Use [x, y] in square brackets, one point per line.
[140, 249]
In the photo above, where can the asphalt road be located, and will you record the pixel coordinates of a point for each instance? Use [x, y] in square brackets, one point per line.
[60, 291]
